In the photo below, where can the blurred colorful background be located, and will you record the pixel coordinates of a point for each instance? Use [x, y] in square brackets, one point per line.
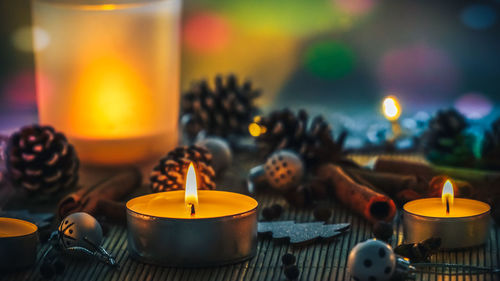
[336, 57]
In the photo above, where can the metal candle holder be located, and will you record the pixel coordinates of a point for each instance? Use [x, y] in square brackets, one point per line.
[196, 242]
[455, 232]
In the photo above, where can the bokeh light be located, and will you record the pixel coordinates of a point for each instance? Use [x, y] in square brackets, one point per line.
[354, 7]
[420, 74]
[391, 108]
[206, 33]
[19, 91]
[329, 59]
[474, 105]
[27, 39]
[478, 16]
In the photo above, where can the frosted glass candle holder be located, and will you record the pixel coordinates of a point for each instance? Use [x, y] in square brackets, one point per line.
[108, 75]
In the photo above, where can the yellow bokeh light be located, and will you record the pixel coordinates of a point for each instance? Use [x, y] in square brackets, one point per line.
[391, 108]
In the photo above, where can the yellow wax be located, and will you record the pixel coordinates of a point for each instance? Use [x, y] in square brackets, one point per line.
[211, 204]
[14, 227]
[109, 77]
[434, 207]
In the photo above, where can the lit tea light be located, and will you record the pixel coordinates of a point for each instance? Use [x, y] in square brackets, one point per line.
[459, 222]
[192, 227]
[18, 244]
[114, 94]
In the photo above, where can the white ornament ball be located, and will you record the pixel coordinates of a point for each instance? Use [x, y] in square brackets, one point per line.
[284, 169]
[220, 150]
[78, 229]
[372, 260]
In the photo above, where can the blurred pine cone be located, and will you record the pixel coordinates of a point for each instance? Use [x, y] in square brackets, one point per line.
[446, 141]
[314, 142]
[41, 160]
[490, 149]
[224, 110]
[170, 173]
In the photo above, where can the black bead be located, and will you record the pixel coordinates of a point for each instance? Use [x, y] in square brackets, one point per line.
[322, 213]
[277, 209]
[382, 231]
[292, 272]
[288, 259]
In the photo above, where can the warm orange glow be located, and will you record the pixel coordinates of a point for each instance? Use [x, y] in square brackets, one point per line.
[391, 108]
[14, 227]
[254, 129]
[191, 191]
[447, 195]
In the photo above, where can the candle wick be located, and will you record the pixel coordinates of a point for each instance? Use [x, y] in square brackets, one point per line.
[193, 211]
[447, 206]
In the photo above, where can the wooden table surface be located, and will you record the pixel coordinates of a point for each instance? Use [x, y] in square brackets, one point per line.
[320, 261]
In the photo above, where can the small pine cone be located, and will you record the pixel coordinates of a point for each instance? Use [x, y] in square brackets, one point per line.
[224, 110]
[446, 141]
[314, 142]
[170, 173]
[41, 160]
[490, 150]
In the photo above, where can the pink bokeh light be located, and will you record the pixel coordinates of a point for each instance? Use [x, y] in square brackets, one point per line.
[420, 73]
[474, 105]
[354, 7]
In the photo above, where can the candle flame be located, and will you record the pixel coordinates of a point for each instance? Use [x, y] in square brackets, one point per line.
[447, 195]
[391, 108]
[191, 190]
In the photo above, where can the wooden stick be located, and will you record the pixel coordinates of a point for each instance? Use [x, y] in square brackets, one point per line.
[372, 205]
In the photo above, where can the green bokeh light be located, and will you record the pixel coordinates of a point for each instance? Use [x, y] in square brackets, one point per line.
[329, 59]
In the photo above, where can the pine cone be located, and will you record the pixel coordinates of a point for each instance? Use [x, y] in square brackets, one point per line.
[224, 110]
[490, 150]
[41, 160]
[446, 141]
[285, 130]
[170, 173]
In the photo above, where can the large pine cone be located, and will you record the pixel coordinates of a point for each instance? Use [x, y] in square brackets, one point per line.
[490, 150]
[170, 173]
[41, 160]
[224, 110]
[446, 141]
[314, 142]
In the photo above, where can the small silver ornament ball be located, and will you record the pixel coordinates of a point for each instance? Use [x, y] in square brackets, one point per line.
[78, 229]
[220, 150]
[284, 169]
[372, 260]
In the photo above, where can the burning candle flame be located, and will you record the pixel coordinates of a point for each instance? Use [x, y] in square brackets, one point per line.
[447, 195]
[391, 108]
[191, 190]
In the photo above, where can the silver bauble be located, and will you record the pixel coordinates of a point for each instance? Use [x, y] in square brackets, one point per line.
[220, 150]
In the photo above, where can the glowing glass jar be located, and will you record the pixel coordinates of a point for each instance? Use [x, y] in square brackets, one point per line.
[109, 76]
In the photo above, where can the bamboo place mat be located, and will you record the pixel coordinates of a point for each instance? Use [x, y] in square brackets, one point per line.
[320, 261]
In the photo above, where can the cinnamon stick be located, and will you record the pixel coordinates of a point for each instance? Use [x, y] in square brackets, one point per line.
[372, 205]
[405, 167]
[114, 188]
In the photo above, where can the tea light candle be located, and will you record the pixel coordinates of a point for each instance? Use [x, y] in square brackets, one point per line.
[459, 222]
[109, 76]
[18, 244]
[192, 228]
